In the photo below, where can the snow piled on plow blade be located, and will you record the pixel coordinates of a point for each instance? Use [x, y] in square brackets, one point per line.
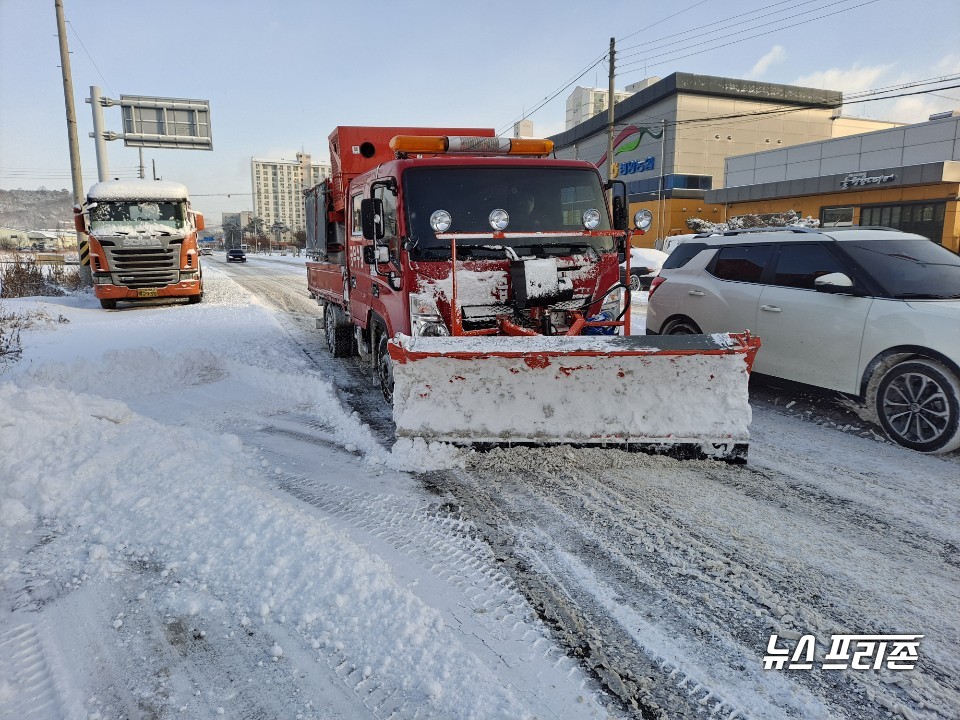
[683, 395]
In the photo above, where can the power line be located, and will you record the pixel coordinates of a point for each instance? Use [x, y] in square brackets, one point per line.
[669, 17]
[726, 24]
[645, 61]
[855, 99]
[590, 67]
[77, 36]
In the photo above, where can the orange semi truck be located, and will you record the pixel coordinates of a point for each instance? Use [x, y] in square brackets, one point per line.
[143, 241]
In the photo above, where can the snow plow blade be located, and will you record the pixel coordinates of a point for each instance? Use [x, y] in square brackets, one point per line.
[682, 395]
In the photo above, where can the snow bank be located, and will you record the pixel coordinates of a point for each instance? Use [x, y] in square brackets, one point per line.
[180, 498]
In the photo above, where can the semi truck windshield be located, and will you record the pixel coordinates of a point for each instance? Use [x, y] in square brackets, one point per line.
[537, 200]
[172, 214]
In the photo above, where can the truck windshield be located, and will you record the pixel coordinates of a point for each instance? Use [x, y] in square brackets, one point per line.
[909, 268]
[537, 200]
[139, 213]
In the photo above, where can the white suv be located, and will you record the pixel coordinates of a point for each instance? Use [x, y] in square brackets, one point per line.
[871, 312]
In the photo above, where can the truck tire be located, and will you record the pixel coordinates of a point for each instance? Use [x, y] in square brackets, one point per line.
[339, 333]
[108, 304]
[194, 299]
[383, 367]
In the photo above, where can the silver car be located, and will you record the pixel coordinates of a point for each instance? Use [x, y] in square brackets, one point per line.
[874, 313]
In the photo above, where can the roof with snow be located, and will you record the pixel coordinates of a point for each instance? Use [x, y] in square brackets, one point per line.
[138, 190]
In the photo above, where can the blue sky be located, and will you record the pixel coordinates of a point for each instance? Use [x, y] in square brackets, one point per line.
[280, 75]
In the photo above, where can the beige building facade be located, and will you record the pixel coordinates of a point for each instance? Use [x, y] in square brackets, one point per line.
[672, 139]
[278, 187]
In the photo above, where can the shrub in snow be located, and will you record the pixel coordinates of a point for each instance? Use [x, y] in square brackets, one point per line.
[740, 222]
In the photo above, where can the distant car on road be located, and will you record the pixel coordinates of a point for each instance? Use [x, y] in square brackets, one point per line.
[870, 312]
[236, 255]
[206, 251]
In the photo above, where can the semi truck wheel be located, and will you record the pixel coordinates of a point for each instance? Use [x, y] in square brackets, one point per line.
[108, 304]
[339, 333]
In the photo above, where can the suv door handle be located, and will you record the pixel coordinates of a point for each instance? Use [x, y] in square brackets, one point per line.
[696, 293]
[770, 308]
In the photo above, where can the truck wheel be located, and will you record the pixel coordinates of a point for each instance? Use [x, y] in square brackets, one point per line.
[339, 334]
[384, 368]
[194, 299]
[108, 304]
[918, 405]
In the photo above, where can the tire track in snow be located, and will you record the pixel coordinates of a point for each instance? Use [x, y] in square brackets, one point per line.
[27, 682]
[647, 552]
[446, 545]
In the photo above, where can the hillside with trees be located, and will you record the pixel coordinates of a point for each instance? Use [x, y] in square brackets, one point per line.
[35, 209]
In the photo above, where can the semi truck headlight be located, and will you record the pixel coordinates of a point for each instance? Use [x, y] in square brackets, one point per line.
[591, 218]
[188, 276]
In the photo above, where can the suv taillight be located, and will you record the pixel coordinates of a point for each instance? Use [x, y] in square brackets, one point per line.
[654, 284]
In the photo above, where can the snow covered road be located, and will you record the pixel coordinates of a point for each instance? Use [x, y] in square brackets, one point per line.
[200, 515]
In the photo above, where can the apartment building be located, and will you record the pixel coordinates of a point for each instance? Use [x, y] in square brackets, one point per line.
[584, 103]
[278, 188]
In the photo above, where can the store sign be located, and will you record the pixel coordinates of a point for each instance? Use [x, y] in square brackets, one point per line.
[634, 166]
[860, 179]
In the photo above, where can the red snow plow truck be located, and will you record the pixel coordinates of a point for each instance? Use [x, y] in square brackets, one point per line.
[480, 278]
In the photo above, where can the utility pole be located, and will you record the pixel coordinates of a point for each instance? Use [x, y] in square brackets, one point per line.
[610, 115]
[660, 188]
[83, 247]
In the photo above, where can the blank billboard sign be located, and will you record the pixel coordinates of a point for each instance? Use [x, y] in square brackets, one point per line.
[166, 123]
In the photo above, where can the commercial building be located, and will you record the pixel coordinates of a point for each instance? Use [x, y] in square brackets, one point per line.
[673, 136]
[278, 189]
[906, 178]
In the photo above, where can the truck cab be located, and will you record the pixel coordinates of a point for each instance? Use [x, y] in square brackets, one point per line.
[143, 241]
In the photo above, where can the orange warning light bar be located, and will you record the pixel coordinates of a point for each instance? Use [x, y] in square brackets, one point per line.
[464, 144]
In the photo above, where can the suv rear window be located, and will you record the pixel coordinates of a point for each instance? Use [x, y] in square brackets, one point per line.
[743, 263]
[682, 254]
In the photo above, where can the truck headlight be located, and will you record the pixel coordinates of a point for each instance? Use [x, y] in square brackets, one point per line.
[188, 276]
[613, 304]
[425, 318]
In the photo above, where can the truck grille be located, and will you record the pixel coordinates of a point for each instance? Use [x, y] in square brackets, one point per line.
[144, 267]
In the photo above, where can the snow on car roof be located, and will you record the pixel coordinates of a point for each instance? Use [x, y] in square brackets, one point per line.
[777, 234]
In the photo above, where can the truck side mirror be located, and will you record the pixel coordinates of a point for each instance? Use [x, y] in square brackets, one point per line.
[371, 218]
[620, 221]
[78, 220]
[199, 221]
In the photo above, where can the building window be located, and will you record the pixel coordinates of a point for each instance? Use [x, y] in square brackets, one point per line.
[836, 217]
[921, 218]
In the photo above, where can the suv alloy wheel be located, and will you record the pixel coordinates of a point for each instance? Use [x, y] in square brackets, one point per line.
[918, 405]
